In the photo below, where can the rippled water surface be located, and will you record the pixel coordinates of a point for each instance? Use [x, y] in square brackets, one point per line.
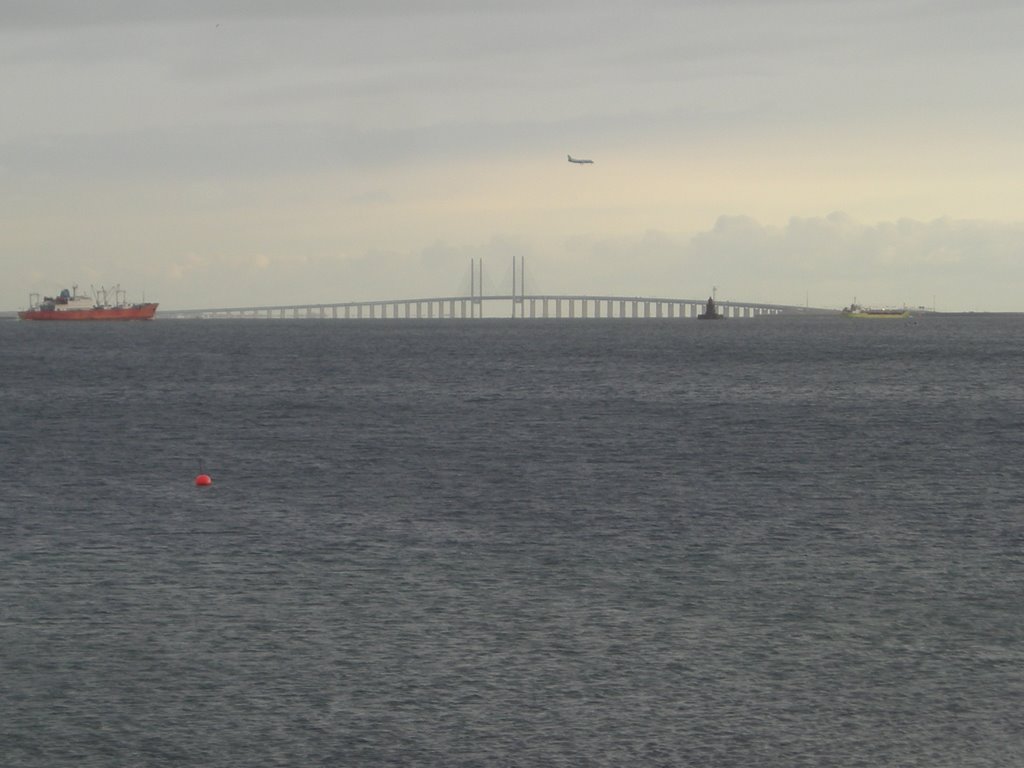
[772, 542]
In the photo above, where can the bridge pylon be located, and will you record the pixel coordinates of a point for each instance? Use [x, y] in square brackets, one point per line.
[476, 290]
[517, 296]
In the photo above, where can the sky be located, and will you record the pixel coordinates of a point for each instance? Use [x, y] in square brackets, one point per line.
[249, 152]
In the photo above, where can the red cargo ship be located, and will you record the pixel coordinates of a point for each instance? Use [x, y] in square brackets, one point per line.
[68, 305]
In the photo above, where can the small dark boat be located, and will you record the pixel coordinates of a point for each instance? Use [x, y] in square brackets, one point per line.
[710, 312]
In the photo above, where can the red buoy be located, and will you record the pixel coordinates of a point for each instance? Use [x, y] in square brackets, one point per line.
[203, 480]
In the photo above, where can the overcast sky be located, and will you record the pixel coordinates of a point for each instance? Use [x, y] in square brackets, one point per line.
[253, 152]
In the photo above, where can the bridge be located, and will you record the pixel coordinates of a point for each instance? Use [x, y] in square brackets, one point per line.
[521, 304]
[528, 306]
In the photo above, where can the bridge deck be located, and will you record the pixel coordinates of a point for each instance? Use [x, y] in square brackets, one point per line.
[550, 305]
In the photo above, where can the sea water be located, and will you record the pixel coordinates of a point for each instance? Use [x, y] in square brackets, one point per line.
[788, 541]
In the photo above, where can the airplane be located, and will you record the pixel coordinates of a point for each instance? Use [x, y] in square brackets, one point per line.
[574, 160]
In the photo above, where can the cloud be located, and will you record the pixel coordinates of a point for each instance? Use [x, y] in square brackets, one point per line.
[972, 263]
[840, 246]
[186, 267]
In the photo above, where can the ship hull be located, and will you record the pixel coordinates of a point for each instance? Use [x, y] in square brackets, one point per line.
[879, 315]
[134, 312]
